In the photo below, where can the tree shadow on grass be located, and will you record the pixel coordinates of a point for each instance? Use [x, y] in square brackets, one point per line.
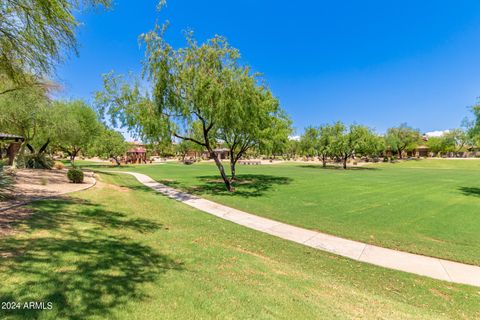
[247, 185]
[73, 259]
[470, 191]
[339, 167]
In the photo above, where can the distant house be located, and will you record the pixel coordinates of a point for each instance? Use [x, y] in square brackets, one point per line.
[14, 143]
[422, 151]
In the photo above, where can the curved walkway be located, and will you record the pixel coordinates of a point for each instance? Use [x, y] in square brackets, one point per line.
[388, 258]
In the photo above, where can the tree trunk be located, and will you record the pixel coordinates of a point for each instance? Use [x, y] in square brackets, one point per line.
[345, 162]
[324, 161]
[232, 169]
[117, 161]
[20, 155]
[72, 159]
[400, 154]
[219, 164]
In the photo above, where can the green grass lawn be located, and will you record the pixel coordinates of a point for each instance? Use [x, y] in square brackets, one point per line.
[121, 251]
[430, 207]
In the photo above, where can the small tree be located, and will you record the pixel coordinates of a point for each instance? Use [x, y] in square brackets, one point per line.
[276, 137]
[456, 140]
[346, 143]
[76, 127]
[109, 144]
[437, 145]
[402, 138]
[309, 142]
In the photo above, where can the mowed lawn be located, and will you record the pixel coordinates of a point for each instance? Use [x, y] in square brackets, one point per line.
[121, 251]
[430, 207]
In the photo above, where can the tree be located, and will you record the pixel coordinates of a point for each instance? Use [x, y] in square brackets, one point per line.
[402, 138]
[346, 143]
[309, 142]
[293, 148]
[201, 86]
[455, 140]
[33, 36]
[276, 137]
[25, 112]
[110, 144]
[76, 127]
[437, 145]
[253, 110]
[317, 142]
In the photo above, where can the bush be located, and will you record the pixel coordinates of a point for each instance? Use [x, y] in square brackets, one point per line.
[58, 165]
[38, 161]
[75, 175]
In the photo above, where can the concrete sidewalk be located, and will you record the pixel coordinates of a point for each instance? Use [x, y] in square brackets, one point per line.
[393, 259]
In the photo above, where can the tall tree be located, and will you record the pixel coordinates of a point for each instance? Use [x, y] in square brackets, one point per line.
[197, 86]
[253, 110]
[76, 127]
[34, 34]
[402, 138]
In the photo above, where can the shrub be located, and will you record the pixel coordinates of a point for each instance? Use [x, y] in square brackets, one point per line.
[38, 161]
[75, 175]
[58, 165]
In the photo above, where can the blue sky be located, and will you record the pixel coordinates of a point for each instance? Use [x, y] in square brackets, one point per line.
[377, 63]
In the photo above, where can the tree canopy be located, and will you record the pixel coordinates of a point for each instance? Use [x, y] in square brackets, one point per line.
[402, 138]
[34, 35]
[76, 127]
[200, 94]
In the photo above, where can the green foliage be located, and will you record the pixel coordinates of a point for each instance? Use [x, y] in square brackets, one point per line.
[109, 144]
[402, 138]
[24, 112]
[355, 140]
[276, 137]
[38, 161]
[456, 140]
[200, 94]
[34, 34]
[76, 127]
[75, 175]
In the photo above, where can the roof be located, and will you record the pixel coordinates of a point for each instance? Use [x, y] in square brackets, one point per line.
[7, 136]
[137, 150]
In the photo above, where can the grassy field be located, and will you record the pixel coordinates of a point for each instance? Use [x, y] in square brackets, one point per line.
[429, 207]
[121, 251]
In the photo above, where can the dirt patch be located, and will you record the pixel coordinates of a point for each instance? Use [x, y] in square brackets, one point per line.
[32, 184]
[440, 294]
[10, 217]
